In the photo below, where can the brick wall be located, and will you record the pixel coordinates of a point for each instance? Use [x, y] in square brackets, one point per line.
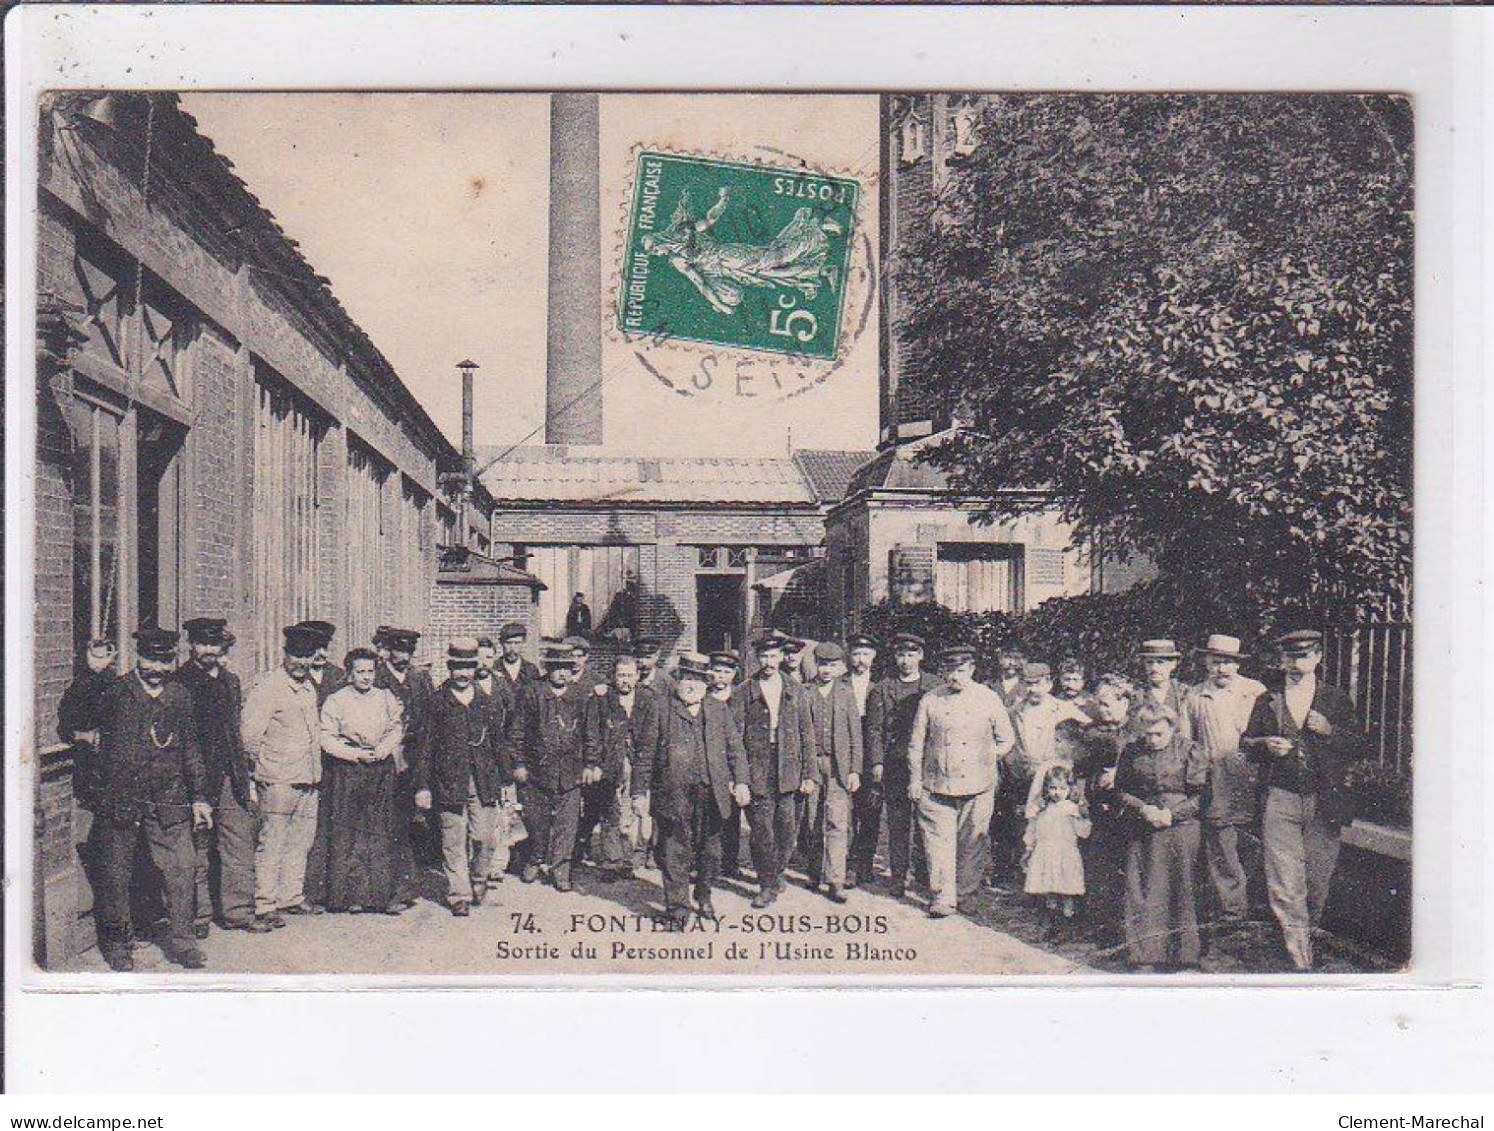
[463, 608]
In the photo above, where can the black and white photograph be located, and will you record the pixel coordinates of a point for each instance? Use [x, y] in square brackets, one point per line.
[595, 533]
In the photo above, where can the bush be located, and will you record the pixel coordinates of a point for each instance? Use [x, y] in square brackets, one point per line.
[1381, 793]
[1101, 629]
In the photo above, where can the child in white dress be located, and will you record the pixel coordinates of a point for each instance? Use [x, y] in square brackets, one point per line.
[1055, 869]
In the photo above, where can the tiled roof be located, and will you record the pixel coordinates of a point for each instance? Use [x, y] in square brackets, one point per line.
[557, 474]
[901, 469]
[829, 472]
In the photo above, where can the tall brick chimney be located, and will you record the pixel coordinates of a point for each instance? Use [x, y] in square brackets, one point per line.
[573, 367]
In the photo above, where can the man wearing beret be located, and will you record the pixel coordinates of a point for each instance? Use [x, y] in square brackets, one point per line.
[458, 772]
[840, 754]
[512, 667]
[217, 705]
[961, 732]
[282, 734]
[1304, 735]
[890, 710]
[153, 785]
[551, 767]
[688, 778]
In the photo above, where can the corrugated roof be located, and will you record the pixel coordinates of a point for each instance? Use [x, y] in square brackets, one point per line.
[558, 474]
[829, 472]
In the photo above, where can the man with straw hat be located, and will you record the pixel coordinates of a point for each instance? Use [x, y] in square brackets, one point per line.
[1218, 710]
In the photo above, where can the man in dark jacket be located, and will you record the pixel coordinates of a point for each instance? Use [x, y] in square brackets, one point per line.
[152, 784]
[890, 708]
[458, 771]
[1305, 735]
[217, 703]
[325, 675]
[720, 684]
[778, 736]
[617, 725]
[551, 767]
[512, 667]
[413, 688]
[840, 758]
[688, 778]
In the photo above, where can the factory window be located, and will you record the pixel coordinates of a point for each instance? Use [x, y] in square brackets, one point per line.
[287, 563]
[96, 521]
[708, 557]
[736, 557]
[980, 577]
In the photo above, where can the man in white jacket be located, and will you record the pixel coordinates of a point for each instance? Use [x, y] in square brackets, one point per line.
[960, 734]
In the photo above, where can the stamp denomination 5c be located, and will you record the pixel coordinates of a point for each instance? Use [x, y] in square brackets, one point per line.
[745, 256]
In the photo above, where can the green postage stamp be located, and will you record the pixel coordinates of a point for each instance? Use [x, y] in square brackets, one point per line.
[746, 256]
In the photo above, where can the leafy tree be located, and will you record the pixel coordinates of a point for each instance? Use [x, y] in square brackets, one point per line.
[1190, 319]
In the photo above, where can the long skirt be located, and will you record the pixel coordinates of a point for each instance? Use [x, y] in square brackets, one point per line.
[368, 847]
[1161, 915]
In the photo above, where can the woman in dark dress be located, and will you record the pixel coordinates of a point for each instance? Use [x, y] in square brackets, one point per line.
[368, 853]
[1160, 784]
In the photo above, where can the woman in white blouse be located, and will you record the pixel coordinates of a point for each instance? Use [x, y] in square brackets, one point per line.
[368, 852]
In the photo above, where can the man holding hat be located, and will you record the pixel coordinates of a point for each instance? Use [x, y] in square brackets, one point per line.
[551, 767]
[778, 736]
[281, 732]
[1218, 711]
[890, 709]
[458, 772]
[1305, 736]
[961, 732]
[217, 706]
[153, 784]
[688, 778]
[840, 757]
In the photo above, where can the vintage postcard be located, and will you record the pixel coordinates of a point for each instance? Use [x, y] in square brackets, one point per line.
[913, 536]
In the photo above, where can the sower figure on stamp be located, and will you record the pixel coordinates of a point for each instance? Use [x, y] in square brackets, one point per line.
[458, 774]
[217, 705]
[866, 809]
[617, 724]
[152, 784]
[961, 733]
[837, 733]
[1305, 735]
[778, 736]
[1218, 710]
[282, 734]
[550, 768]
[890, 710]
[689, 778]
[721, 681]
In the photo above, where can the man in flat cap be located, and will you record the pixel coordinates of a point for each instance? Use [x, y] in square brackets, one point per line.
[890, 710]
[413, 688]
[866, 807]
[1219, 710]
[217, 705]
[512, 667]
[778, 735]
[152, 785]
[504, 707]
[281, 732]
[325, 676]
[551, 767]
[1305, 736]
[688, 778]
[618, 723]
[794, 651]
[840, 756]
[581, 652]
[961, 733]
[458, 773]
[721, 680]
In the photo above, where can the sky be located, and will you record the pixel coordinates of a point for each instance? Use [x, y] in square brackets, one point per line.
[429, 214]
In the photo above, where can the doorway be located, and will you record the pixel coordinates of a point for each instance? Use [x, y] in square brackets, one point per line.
[718, 611]
[158, 519]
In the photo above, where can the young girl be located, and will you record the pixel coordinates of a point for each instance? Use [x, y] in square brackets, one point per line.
[1055, 869]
